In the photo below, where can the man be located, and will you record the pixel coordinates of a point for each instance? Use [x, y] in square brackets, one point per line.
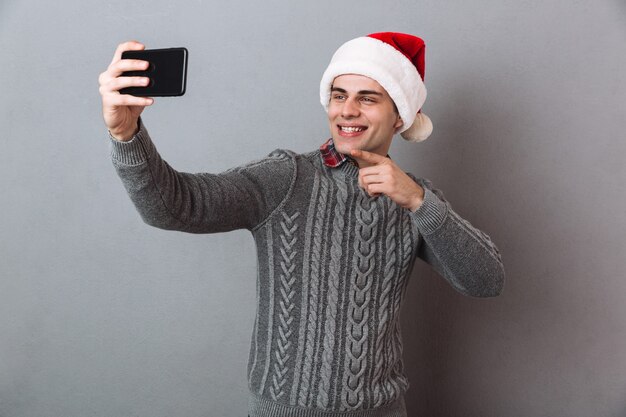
[337, 231]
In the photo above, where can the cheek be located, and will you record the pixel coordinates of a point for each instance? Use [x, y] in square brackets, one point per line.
[379, 121]
[390, 121]
[333, 110]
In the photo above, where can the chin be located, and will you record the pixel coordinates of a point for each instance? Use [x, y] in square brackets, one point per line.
[345, 148]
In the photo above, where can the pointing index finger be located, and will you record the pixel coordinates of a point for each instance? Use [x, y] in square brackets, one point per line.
[371, 157]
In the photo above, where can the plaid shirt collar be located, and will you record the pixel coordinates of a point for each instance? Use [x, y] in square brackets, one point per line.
[332, 158]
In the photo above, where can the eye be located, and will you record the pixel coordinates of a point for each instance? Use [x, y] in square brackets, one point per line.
[368, 100]
[338, 97]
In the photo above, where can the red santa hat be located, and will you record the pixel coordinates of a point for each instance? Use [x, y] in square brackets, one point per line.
[396, 62]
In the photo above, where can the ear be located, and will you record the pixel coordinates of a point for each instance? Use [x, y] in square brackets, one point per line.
[398, 124]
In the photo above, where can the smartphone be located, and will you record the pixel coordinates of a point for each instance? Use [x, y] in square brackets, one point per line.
[167, 72]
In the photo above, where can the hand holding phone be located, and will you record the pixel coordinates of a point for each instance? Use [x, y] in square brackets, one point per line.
[121, 111]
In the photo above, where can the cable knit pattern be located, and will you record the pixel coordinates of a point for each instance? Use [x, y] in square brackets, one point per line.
[399, 382]
[333, 267]
[287, 279]
[268, 312]
[358, 309]
[332, 303]
[385, 295]
[307, 279]
[314, 284]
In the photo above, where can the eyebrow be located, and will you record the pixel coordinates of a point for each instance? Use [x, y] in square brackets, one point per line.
[362, 92]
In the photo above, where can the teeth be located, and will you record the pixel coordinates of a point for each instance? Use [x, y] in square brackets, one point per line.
[351, 129]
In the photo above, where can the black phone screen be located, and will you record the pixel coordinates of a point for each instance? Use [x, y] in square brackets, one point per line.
[167, 72]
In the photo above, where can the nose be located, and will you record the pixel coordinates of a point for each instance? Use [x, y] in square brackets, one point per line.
[350, 108]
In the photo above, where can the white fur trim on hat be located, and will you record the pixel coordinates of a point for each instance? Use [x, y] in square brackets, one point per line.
[383, 63]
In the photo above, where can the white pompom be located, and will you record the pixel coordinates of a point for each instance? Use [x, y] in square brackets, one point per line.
[420, 130]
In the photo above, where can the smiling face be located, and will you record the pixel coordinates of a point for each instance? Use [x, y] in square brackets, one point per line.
[361, 115]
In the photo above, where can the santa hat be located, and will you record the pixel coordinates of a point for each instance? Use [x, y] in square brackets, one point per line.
[396, 62]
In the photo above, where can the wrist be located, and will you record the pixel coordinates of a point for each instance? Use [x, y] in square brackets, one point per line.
[124, 135]
[417, 200]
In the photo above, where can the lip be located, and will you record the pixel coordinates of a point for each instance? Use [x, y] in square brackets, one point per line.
[350, 134]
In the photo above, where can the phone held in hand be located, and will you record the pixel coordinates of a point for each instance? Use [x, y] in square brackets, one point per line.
[167, 72]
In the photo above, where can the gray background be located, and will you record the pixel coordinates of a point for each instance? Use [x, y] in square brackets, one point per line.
[101, 315]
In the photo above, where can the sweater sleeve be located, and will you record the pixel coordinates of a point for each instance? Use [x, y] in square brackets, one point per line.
[241, 197]
[465, 256]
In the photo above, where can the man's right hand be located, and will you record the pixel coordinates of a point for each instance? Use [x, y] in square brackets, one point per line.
[121, 111]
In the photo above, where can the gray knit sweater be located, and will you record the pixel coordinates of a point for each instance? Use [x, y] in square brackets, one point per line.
[333, 266]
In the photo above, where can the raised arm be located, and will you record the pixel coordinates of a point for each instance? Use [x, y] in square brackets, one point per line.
[241, 197]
